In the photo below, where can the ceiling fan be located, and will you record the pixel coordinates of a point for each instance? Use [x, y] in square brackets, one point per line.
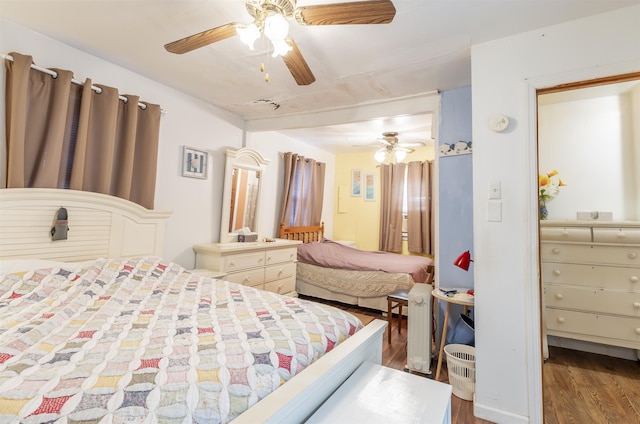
[393, 147]
[270, 17]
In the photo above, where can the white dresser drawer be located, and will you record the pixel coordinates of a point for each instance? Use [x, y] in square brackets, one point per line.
[590, 253]
[279, 271]
[626, 331]
[611, 277]
[282, 255]
[579, 234]
[593, 300]
[243, 261]
[616, 235]
[253, 278]
[283, 286]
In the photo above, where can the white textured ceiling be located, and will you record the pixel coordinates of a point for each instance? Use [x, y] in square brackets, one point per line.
[426, 48]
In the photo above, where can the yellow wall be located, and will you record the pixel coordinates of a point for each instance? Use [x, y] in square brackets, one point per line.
[353, 218]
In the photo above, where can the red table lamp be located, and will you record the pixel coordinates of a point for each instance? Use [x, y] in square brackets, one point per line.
[463, 261]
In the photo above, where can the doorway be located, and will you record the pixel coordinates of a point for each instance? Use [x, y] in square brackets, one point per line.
[587, 134]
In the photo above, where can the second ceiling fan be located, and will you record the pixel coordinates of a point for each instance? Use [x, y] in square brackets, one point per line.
[270, 17]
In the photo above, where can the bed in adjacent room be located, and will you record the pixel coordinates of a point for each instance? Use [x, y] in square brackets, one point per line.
[333, 271]
[133, 337]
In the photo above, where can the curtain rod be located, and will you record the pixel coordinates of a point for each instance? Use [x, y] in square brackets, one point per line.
[54, 74]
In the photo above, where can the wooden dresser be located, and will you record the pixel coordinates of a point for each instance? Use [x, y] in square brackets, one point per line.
[269, 266]
[591, 281]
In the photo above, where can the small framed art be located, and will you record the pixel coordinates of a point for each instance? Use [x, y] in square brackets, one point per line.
[356, 182]
[370, 187]
[194, 162]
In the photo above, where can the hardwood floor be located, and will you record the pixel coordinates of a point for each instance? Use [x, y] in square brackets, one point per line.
[578, 387]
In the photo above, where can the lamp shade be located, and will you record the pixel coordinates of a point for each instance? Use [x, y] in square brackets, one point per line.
[463, 261]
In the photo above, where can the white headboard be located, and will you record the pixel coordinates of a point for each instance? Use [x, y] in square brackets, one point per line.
[100, 226]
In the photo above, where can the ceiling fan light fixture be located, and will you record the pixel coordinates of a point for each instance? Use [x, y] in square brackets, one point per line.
[380, 155]
[276, 27]
[280, 48]
[400, 155]
[248, 34]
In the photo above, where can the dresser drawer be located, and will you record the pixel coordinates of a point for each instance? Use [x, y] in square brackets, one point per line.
[612, 277]
[579, 234]
[592, 300]
[283, 286]
[243, 261]
[609, 327]
[279, 271]
[253, 278]
[282, 255]
[590, 253]
[616, 235]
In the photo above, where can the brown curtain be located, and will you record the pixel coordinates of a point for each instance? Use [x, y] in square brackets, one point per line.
[63, 135]
[419, 216]
[392, 193]
[303, 191]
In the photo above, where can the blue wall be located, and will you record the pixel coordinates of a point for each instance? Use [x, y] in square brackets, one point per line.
[455, 189]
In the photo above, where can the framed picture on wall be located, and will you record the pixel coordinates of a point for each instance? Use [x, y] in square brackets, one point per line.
[356, 182]
[370, 187]
[194, 163]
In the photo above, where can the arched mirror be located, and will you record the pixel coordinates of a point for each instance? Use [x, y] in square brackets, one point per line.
[243, 178]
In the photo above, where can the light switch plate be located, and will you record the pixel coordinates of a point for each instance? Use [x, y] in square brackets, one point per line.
[494, 212]
[495, 192]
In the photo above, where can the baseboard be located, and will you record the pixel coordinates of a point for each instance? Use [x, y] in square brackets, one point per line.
[494, 415]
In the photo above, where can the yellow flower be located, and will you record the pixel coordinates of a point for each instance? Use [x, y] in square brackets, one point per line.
[543, 180]
[552, 173]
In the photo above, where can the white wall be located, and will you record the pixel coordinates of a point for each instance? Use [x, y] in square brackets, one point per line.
[591, 144]
[273, 145]
[505, 74]
[196, 204]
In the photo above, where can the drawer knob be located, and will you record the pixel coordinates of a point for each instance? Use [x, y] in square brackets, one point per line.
[636, 305]
[556, 272]
[561, 320]
[559, 296]
[632, 255]
[555, 250]
[634, 279]
[638, 331]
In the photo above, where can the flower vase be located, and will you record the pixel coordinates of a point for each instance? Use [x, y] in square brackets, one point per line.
[544, 213]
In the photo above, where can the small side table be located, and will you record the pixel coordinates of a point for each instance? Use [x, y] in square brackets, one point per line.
[466, 302]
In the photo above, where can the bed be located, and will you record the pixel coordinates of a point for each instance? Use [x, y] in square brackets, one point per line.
[333, 271]
[100, 328]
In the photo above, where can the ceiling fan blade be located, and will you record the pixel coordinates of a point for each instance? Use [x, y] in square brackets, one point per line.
[361, 12]
[297, 65]
[202, 39]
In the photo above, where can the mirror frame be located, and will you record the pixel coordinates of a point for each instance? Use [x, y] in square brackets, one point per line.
[243, 158]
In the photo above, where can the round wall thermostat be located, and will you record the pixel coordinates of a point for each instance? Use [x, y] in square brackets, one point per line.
[498, 123]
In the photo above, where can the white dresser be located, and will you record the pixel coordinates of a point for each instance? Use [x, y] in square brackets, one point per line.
[269, 266]
[591, 281]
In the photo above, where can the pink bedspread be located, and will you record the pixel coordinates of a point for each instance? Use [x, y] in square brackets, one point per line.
[329, 254]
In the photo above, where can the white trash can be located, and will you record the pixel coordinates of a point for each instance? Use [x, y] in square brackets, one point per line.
[461, 367]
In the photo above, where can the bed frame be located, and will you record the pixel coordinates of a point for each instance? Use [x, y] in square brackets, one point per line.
[108, 227]
[305, 234]
[315, 233]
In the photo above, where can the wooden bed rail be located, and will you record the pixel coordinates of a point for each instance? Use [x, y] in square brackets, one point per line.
[305, 234]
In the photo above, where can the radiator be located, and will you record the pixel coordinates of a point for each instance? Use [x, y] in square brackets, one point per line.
[419, 329]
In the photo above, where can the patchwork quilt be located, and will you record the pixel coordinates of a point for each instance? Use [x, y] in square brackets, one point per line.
[144, 340]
